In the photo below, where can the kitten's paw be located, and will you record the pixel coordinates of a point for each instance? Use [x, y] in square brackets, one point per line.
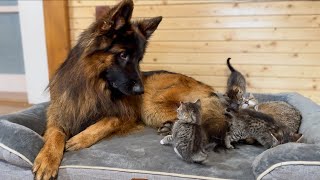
[162, 142]
[166, 128]
[230, 146]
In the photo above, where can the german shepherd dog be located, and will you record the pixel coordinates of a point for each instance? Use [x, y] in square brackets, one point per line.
[99, 90]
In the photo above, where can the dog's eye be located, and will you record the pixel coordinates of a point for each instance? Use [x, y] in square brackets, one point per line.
[124, 56]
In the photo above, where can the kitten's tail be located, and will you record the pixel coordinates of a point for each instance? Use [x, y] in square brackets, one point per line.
[229, 65]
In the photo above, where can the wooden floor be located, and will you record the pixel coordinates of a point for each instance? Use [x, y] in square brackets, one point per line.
[10, 107]
[12, 102]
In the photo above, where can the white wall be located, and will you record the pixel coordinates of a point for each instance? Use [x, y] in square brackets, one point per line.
[34, 49]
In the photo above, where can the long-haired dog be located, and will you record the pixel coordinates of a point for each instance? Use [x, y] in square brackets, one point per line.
[99, 83]
[99, 90]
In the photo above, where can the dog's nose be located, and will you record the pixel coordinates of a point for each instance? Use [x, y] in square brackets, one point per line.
[138, 89]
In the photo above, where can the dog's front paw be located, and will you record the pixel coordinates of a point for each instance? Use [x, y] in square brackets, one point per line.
[46, 165]
[166, 128]
[78, 142]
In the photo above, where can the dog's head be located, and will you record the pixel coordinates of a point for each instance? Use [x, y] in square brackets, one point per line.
[113, 47]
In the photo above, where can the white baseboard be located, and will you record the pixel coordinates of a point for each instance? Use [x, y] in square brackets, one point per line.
[13, 83]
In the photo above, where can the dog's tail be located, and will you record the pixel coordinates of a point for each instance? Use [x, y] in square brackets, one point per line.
[230, 66]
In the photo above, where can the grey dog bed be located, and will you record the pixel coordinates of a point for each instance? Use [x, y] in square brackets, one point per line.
[140, 155]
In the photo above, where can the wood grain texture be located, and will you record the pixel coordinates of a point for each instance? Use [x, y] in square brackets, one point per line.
[236, 46]
[311, 34]
[223, 22]
[215, 9]
[79, 3]
[274, 43]
[247, 70]
[12, 102]
[288, 59]
[57, 32]
[266, 82]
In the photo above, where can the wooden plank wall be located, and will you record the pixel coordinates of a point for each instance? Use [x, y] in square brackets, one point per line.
[276, 44]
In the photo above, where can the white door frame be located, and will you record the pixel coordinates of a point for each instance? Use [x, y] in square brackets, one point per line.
[34, 49]
[12, 82]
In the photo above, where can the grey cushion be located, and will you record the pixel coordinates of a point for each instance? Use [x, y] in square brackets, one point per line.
[290, 152]
[310, 111]
[140, 155]
[20, 139]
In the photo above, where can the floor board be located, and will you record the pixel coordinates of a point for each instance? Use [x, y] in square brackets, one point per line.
[12, 102]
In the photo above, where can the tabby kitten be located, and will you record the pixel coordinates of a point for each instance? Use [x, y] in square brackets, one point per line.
[236, 87]
[188, 137]
[282, 112]
[247, 123]
[249, 102]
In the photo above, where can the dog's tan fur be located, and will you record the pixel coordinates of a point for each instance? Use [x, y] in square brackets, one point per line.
[165, 91]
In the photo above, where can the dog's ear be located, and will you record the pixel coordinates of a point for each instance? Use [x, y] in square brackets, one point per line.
[148, 26]
[121, 14]
[103, 30]
[117, 17]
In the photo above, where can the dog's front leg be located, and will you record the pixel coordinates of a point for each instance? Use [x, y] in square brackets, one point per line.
[93, 134]
[47, 162]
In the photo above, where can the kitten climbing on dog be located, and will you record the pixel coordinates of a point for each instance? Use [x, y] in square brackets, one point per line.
[247, 123]
[236, 87]
[188, 137]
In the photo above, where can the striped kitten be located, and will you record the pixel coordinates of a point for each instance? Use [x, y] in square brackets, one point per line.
[247, 123]
[236, 87]
[282, 112]
[188, 137]
[249, 102]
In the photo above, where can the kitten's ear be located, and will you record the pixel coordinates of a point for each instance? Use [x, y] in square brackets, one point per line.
[297, 137]
[198, 102]
[148, 26]
[182, 104]
[235, 89]
[228, 113]
[256, 107]
[251, 96]
[274, 139]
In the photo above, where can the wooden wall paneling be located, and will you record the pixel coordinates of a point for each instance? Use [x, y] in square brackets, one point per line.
[243, 34]
[288, 59]
[236, 46]
[222, 22]
[215, 9]
[274, 43]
